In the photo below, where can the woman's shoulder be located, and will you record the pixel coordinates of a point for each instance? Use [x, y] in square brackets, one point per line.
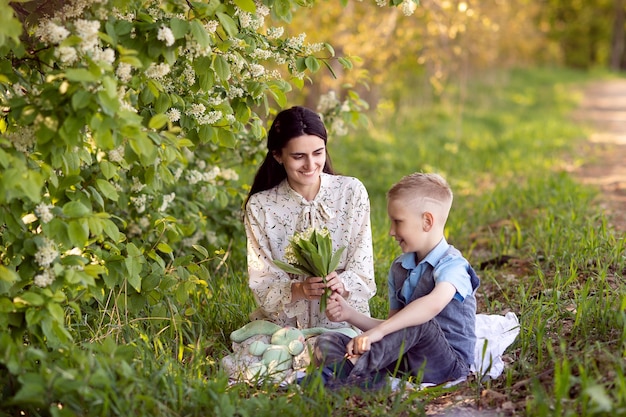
[345, 182]
[265, 197]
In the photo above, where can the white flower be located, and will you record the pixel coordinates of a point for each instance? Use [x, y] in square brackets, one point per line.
[144, 222]
[139, 203]
[124, 72]
[173, 115]
[51, 33]
[275, 32]
[137, 185]
[211, 26]
[167, 199]
[209, 118]
[43, 212]
[197, 109]
[257, 70]
[166, 35]
[296, 42]
[230, 175]
[117, 154]
[327, 102]
[47, 253]
[44, 279]
[408, 7]
[157, 71]
[105, 55]
[66, 54]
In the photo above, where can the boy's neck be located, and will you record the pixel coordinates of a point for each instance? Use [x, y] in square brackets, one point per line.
[419, 256]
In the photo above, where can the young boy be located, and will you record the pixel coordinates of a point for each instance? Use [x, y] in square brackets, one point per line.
[432, 308]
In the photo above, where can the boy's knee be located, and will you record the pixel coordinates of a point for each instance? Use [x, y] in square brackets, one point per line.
[328, 345]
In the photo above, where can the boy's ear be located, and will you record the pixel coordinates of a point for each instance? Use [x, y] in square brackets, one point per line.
[428, 221]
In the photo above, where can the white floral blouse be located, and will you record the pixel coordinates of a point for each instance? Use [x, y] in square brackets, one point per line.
[273, 216]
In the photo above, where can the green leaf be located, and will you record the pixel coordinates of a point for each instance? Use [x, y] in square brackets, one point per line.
[30, 298]
[200, 34]
[107, 189]
[221, 67]
[334, 262]
[179, 27]
[75, 209]
[8, 275]
[312, 64]
[164, 247]
[80, 74]
[158, 121]
[78, 231]
[246, 5]
[228, 24]
[290, 269]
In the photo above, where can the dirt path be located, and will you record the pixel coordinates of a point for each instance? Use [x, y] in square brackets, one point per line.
[604, 107]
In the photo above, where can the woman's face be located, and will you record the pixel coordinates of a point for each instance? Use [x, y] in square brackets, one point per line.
[304, 158]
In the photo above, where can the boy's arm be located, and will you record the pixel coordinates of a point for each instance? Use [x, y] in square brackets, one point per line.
[416, 312]
[338, 309]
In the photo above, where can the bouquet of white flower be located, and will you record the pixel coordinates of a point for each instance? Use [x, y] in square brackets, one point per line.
[310, 253]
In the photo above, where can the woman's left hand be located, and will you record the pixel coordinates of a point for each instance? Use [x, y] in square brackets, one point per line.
[334, 283]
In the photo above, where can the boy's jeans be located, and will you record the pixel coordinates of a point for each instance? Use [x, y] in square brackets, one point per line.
[419, 350]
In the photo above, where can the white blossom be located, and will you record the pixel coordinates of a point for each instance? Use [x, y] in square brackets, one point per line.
[50, 32]
[44, 279]
[66, 54]
[229, 174]
[408, 7]
[137, 185]
[43, 212]
[327, 102]
[47, 253]
[257, 70]
[139, 203]
[167, 199]
[211, 26]
[117, 154]
[104, 55]
[296, 42]
[124, 72]
[173, 115]
[166, 35]
[275, 32]
[157, 71]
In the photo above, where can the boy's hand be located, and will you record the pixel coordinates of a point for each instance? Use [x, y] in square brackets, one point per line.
[338, 309]
[362, 343]
[334, 283]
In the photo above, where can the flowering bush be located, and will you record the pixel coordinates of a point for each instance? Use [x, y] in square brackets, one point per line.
[122, 124]
[310, 253]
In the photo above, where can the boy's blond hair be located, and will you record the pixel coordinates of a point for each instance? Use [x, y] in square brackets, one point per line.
[424, 191]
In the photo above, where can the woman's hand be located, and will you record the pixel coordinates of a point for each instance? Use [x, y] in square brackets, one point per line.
[311, 288]
[338, 308]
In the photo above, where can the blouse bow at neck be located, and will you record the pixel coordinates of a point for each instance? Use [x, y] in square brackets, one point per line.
[313, 214]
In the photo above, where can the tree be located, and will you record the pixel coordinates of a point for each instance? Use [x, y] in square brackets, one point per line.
[122, 124]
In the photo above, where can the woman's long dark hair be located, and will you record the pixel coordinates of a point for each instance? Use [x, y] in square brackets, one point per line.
[288, 124]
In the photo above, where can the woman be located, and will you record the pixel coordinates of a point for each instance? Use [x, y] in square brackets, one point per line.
[295, 189]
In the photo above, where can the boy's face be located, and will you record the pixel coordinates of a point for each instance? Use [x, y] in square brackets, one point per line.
[407, 226]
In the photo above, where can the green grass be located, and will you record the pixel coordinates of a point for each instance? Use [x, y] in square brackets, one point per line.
[503, 151]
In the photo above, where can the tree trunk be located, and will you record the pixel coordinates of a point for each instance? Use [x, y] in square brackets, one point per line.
[617, 41]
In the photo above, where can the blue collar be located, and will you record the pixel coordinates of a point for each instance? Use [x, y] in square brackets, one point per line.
[408, 260]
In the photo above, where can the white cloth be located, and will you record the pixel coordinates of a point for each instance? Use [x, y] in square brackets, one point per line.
[497, 332]
[271, 219]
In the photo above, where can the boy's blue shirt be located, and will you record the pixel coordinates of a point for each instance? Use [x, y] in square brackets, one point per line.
[444, 263]
[449, 269]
